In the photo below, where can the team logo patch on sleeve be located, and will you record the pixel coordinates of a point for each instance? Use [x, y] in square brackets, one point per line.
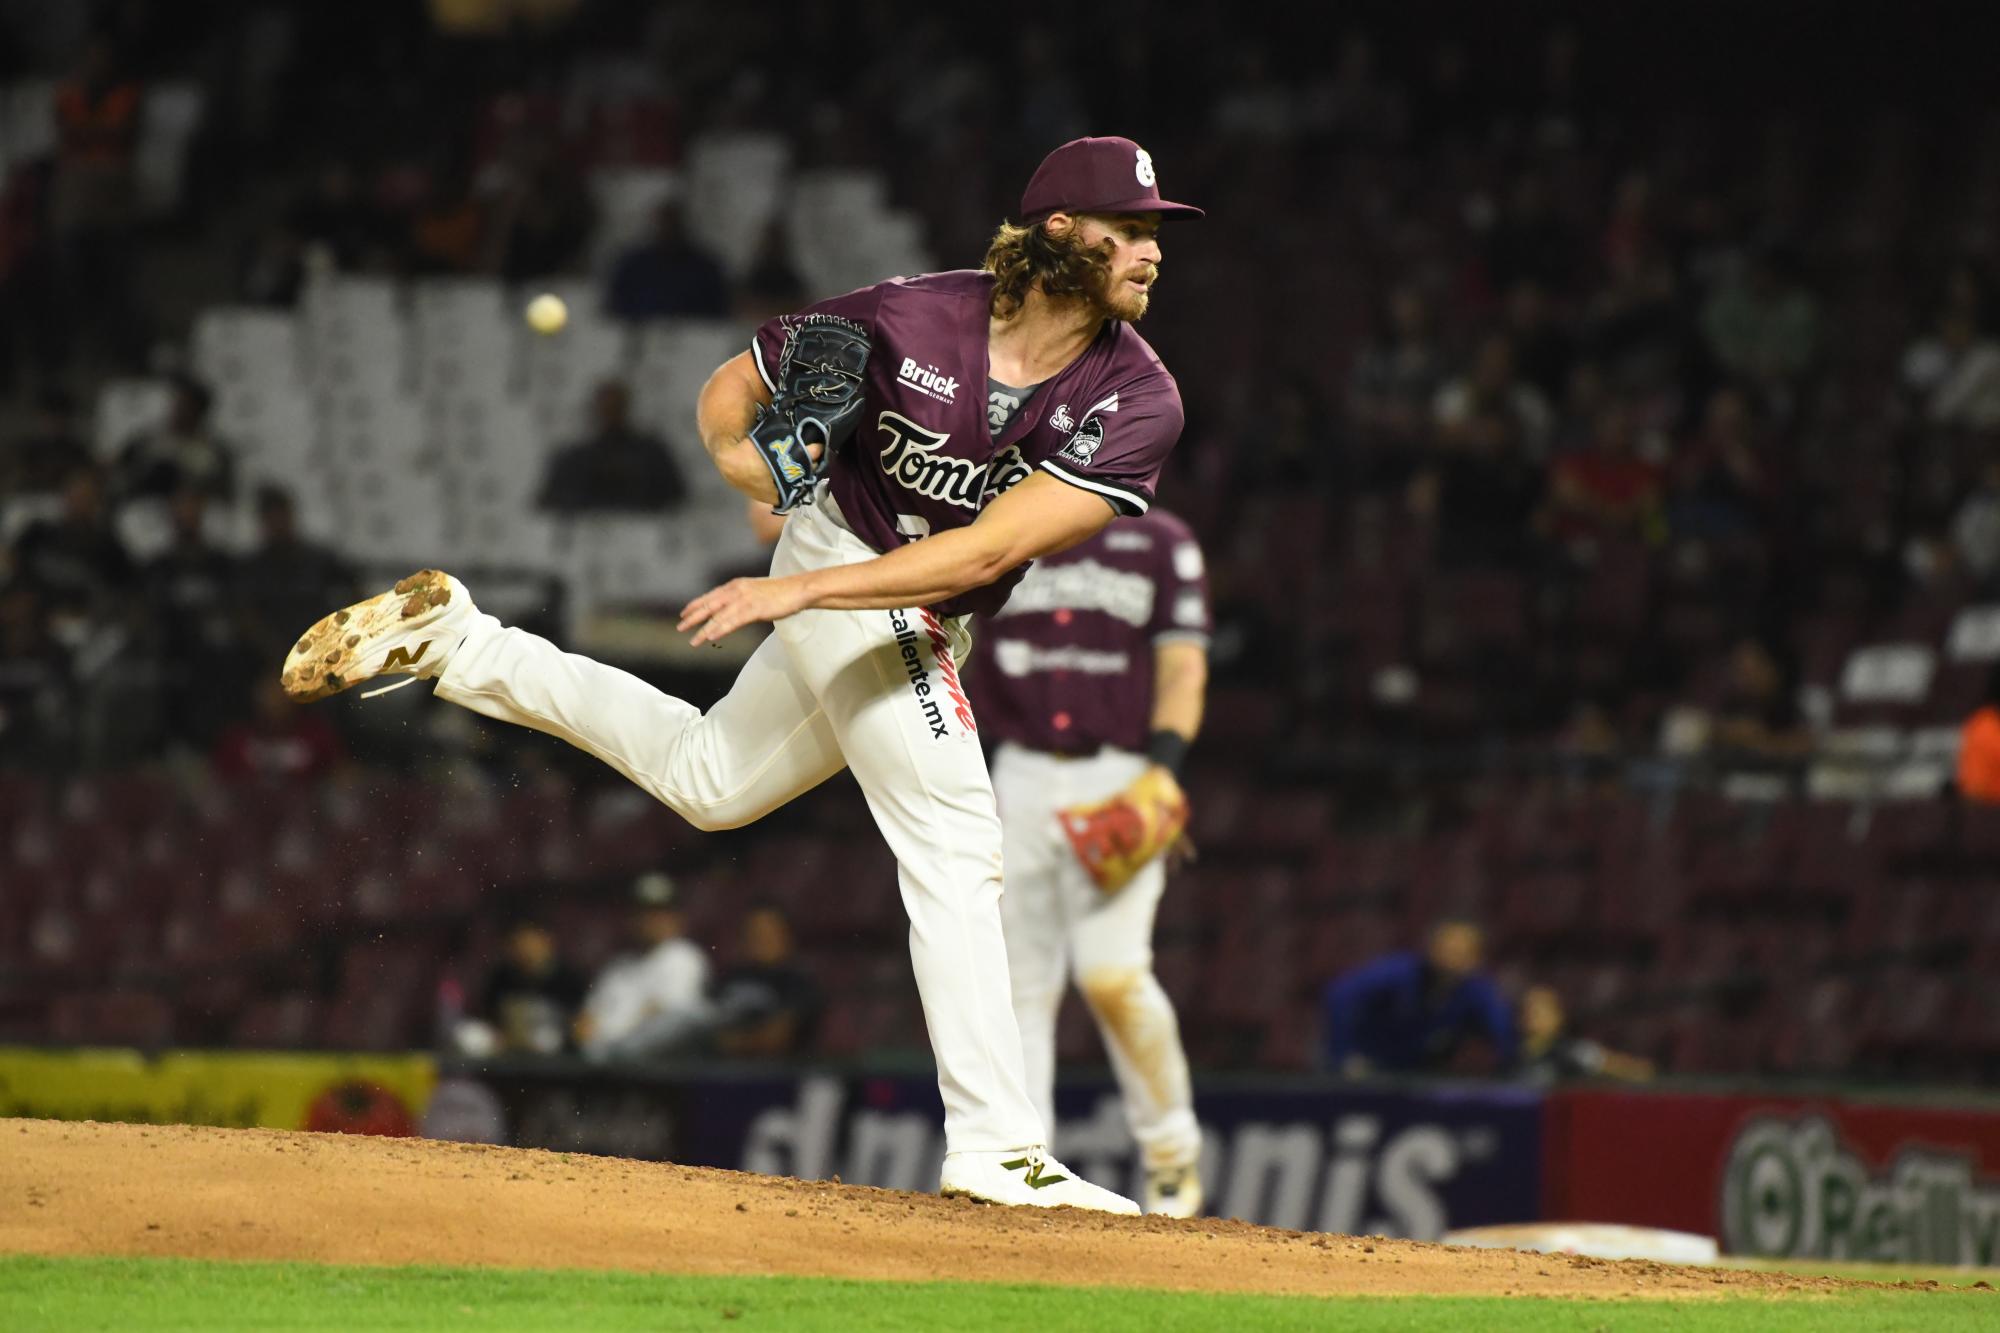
[1083, 445]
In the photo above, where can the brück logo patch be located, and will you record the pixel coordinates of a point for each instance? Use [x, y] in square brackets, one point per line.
[928, 380]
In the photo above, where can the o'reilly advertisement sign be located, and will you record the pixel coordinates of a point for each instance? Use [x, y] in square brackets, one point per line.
[1792, 1188]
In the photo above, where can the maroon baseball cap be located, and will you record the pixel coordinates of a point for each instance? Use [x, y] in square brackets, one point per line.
[1107, 175]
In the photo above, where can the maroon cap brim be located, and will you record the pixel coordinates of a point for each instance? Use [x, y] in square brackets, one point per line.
[1166, 208]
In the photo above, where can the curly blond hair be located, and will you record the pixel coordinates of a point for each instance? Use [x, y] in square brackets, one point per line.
[1020, 257]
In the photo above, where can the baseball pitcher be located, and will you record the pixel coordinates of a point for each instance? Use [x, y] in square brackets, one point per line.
[1092, 682]
[912, 510]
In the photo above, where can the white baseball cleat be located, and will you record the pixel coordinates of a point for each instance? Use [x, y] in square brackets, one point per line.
[412, 629]
[1025, 1178]
[1174, 1191]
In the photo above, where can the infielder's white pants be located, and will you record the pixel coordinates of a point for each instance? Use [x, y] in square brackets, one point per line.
[864, 690]
[1060, 925]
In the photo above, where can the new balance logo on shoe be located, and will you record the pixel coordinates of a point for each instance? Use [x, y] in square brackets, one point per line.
[1033, 1166]
[403, 657]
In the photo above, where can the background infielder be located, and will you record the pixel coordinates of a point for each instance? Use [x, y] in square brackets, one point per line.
[1091, 680]
[884, 392]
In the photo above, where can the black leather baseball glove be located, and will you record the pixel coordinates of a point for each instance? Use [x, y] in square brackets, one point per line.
[817, 402]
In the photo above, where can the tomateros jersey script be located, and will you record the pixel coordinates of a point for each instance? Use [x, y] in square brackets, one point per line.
[924, 457]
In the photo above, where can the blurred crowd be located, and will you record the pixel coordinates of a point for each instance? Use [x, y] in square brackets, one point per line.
[128, 631]
[656, 999]
[1568, 388]
[1583, 404]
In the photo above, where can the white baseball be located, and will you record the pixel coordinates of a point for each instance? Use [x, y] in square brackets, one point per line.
[547, 313]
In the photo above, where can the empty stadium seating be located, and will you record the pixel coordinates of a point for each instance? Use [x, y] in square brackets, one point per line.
[1721, 937]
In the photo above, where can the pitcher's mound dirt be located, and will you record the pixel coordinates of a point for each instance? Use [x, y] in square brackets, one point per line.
[97, 1189]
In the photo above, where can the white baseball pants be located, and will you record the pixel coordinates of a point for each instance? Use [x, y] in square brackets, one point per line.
[872, 691]
[1060, 925]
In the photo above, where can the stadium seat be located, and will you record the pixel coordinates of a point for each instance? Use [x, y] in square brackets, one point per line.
[172, 116]
[27, 122]
[290, 1021]
[1905, 1007]
[112, 1018]
[370, 1021]
[465, 339]
[245, 348]
[1888, 673]
[125, 407]
[562, 370]
[735, 187]
[627, 197]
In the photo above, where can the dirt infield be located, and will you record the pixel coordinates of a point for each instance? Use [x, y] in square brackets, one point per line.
[99, 1189]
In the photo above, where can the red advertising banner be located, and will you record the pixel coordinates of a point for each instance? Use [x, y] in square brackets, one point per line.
[1781, 1176]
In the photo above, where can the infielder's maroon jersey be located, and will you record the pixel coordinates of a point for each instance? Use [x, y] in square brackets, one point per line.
[1066, 665]
[924, 458]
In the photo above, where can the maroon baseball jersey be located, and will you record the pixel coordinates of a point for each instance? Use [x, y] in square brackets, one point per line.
[924, 457]
[1067, 664]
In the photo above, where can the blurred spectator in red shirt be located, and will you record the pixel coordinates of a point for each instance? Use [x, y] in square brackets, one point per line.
[1604, 489]
[92, 204]
[97, 127]
[281, 743]
[1979, 749]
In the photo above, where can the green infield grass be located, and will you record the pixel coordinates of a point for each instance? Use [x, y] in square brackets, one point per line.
[135, 1294]
[1860, 1272]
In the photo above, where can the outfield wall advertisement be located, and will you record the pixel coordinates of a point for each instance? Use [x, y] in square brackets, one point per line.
[1406, 1163]
[1782, 1177]
[370, 1094]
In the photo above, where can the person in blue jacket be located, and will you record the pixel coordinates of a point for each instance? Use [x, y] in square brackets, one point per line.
[1410, 1012]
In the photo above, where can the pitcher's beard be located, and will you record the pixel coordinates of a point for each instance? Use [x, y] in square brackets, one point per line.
[1119, 299]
